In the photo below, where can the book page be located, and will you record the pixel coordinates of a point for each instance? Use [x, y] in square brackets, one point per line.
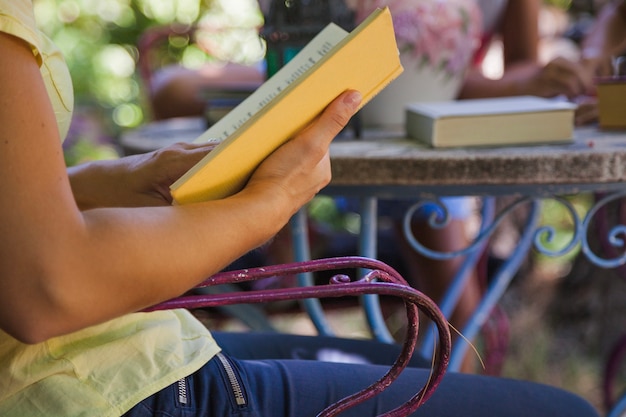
[315, 50]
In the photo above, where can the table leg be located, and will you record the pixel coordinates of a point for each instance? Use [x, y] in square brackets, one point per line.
[368, 248]
[302, 252]
[497, 287]
[454, 292]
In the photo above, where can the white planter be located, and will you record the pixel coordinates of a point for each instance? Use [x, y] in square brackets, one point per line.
[416, 83]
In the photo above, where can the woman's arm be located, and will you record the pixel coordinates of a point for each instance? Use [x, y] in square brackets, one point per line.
[145, 177]
[607, 37]
[523, 74]
[62, 269]
[520, 34]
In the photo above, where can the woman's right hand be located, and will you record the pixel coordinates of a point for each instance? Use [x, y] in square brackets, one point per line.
[587, 110]
[300, 168]
[560, 77]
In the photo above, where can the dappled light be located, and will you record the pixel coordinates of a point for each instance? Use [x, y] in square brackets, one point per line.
[168, 11]
[115, 60]
[99, 41]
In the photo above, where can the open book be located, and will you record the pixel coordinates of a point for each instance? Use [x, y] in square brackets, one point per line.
[365, 59]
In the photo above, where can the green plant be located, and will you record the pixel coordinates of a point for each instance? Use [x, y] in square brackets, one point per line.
[99, 41]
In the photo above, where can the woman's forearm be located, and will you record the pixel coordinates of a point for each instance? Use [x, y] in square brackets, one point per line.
[518, 80]
[607, 36]
[477, 85]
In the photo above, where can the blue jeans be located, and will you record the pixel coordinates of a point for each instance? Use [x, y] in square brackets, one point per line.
[249, 386]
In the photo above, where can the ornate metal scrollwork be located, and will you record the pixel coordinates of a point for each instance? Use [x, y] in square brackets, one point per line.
[612, 239]
[610, 254]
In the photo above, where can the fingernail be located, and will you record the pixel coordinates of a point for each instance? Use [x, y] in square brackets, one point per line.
[353, 98]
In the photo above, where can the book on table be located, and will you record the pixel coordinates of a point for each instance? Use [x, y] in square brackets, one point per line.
[365, 59]
[499, 121]
[612, 102]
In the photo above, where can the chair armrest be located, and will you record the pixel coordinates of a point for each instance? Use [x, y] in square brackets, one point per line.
[380, 279]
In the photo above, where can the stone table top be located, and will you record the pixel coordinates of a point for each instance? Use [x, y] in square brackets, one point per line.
[386, 163]
[387, 160]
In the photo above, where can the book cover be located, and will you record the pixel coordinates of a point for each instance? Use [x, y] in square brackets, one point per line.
[612, 102]
[491, 122]
[365, 59]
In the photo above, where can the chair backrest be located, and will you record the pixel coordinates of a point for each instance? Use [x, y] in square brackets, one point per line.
[380, 279]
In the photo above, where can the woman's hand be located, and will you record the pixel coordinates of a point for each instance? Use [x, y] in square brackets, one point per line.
[587, 110]
[299, 169]
[134, 181]
[558, 77]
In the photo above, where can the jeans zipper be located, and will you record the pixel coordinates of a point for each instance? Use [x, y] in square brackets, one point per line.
[182, 391]
[234, 380]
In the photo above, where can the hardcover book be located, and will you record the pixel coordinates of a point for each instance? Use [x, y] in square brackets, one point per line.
[491, 122]
[365, 59]
[612, 102]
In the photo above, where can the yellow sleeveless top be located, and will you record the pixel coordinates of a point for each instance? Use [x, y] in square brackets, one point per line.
[106, 369]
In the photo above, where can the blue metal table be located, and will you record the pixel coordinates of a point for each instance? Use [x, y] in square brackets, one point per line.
[386, 165]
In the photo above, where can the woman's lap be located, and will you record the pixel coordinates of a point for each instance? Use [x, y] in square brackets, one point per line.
[258, 345]
[296, 387]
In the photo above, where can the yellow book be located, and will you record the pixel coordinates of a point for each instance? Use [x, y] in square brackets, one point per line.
[612, 102]
[365, 59]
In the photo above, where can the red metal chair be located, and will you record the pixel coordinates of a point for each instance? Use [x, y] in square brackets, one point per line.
[379, 279]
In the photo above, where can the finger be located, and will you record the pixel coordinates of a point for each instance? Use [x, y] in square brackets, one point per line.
[554, 73]
[192, 146]
[569, 85]
[323, 167]
[572, 75]
[335, 117]
[586, 113]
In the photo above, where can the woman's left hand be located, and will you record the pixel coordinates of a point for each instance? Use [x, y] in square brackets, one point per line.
[134, 181]
[587, 110]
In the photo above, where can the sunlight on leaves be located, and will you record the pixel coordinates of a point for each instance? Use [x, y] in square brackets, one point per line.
[115, 60]
[99, 41]
[127, 115]
[68, 11]
[168, 11]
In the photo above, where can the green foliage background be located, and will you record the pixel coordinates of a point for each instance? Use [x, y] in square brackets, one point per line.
[99, 41]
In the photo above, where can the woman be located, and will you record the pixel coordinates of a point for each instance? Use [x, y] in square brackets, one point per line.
[83, 249]
[516, 22]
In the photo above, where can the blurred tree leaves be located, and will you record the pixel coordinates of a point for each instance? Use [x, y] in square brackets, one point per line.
[99, 41]
[562, 4]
